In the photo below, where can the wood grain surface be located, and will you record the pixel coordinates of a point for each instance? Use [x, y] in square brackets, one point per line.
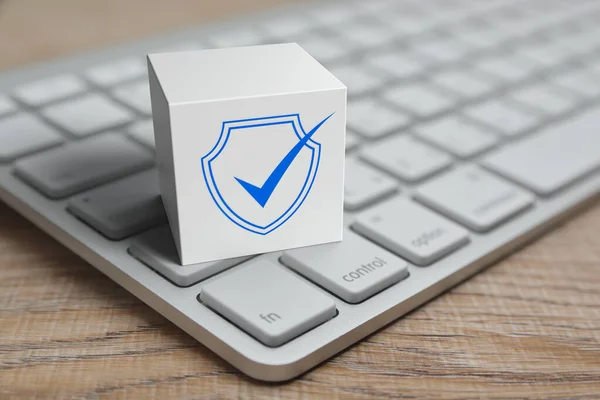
[528, 327]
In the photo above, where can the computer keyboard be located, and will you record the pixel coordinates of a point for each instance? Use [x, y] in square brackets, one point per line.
[473, 126]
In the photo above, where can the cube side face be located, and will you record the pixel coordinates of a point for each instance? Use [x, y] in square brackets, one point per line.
[164, 153]
[259, 174]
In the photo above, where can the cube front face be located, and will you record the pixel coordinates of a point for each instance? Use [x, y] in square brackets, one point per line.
[255, 174]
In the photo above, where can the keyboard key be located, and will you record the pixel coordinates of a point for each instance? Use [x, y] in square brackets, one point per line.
[272, 313]
[457, 135]
[123, 208]
[365, 34]
[406, 158]
[135, 95]
[400, 65]
[354, 269]
[329, 14]
[358, 80]
[474, 198]
[143, 132]
[411, 231]
[352, 141]
[422, 100]
[373, 119]
[23, 134]
[553, 159]
[157, 250]
[87, 115]
[287, 27]
[503, 117]
[50, 89]
[364, 185]
[545, 98]
[118, 71]
[6, 106]
[81, 165]
[325, 49]
[548, 54]
[466, 83]
[444, 50]
[508, 67]
[580, 81]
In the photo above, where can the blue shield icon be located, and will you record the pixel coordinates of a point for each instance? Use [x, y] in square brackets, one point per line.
[262, 190]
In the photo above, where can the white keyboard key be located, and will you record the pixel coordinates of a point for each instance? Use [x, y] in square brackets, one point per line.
[457, 135]
[117, 71]
[503, 117]
[143, 132]
[87, 115]
[553, 159]
[580, 81]
[508, 68]
[364, 185]
[550, 100]
[352, 141]
[272, 313]
[474, 198]
[406, 158]
[354, 269]
[325, 49]
[547, 53]
[135, 95]
[444, 50]
[469, 84]
[81, 165]
[411, 231]
[358, 80]
[366, 34]
[122, 208]
[422, 100]
[401, 65]
[23, 134]
[373, 119]
[157, 250]
[6, 106]
[49, 89]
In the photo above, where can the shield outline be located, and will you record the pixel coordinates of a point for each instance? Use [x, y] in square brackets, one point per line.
[211, 184]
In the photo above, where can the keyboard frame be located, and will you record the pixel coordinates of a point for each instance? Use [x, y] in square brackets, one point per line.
[180, 305]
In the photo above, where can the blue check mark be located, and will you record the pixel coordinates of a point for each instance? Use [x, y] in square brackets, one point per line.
[263, 193]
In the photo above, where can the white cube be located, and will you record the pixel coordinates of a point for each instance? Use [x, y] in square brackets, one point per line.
[250, 149]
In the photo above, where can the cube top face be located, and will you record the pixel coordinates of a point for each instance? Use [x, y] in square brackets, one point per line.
[246, 174]
[223, 74]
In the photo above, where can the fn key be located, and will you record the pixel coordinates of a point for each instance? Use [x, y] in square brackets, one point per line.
[268, 302]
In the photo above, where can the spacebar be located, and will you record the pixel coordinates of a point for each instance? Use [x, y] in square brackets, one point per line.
[554, 158]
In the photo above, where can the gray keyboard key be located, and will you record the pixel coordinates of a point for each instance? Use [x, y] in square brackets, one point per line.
[406, 158]
[268, 302]
[364, 185]
[400, 65]
[156, 249]
[410, 230]
[136, 95]
[87, 115]
[23, 134]
[354, 269]
[580, 81]
[457, 135]
[357, 79]
[421, 99]
[117, 71]
[372, 118]
[505, 118]
[466, 83]
[143, 132]
[7, 106]
[473, 197]
[78, 166]
[49, 89]
[546, 98]
[554, 158]
[123, 208]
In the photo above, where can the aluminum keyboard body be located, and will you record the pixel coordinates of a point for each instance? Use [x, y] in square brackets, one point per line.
[497, 102]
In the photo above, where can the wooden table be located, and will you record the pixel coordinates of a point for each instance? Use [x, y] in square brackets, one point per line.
[526, 327]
